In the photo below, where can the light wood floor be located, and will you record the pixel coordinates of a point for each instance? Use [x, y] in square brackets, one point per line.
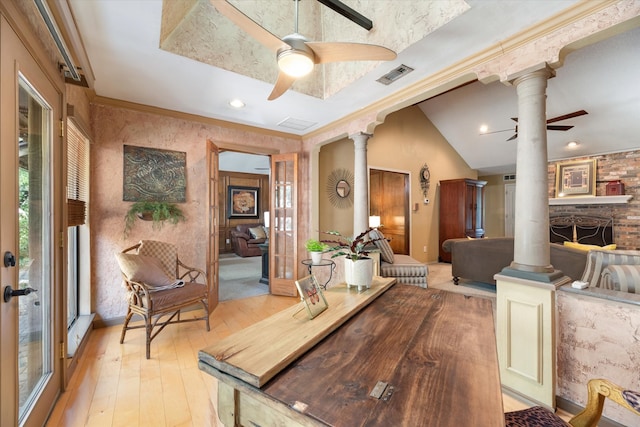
[114, 384]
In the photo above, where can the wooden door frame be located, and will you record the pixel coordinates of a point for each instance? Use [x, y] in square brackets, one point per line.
[27, 56]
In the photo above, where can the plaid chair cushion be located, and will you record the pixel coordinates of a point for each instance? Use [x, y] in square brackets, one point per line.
[167, 253]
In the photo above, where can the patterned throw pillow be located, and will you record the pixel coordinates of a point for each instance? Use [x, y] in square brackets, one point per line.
[257, 232]
[147, 270]
[386, 253]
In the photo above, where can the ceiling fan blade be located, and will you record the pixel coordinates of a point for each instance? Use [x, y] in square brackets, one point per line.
[283, 83]
[248, 25]
[336, 51]
[559, 127]
[567, 116]
[513, 137]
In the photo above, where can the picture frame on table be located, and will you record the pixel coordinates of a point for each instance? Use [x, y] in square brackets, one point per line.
[243, 202]
[576, 178]
[311, 295]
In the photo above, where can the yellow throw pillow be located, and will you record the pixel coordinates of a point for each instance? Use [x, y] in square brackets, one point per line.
[587, 248]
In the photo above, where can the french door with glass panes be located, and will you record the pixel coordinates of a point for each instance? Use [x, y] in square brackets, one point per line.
[30, 107]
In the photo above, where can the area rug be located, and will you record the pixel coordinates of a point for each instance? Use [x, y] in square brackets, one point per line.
[239, 277]
[440, 278]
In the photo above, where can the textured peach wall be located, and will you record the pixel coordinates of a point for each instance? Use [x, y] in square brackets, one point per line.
[597, 338]
[113, 128]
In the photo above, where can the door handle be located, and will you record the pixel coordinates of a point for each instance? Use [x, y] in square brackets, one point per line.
[9, 259]
[9, 292]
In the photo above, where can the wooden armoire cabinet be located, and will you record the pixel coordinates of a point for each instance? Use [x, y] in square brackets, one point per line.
[461, 211]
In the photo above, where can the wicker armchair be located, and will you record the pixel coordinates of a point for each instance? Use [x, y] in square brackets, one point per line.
[158, 285]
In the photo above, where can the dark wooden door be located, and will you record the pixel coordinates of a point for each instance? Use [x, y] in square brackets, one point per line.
[389, 199]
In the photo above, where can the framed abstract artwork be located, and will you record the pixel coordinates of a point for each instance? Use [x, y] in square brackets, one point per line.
[153, 175]
[576, 179]
[242, 202]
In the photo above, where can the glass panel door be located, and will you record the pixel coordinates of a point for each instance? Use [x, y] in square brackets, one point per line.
[283, 246]
[35, 354]
[31, 311]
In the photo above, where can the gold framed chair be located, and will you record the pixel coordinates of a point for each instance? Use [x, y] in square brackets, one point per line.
[598, 389]
[158, 285]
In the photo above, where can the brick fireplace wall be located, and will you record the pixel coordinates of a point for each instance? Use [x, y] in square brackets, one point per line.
[625, 167]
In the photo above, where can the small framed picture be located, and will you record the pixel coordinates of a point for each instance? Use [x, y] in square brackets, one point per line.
[243, 202]
[576, 179]
[311, 295]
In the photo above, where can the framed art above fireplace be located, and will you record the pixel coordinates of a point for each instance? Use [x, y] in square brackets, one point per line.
[576, 179]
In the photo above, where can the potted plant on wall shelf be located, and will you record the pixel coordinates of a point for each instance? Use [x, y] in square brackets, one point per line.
[158, 212]
[358, 267]
[316, 248]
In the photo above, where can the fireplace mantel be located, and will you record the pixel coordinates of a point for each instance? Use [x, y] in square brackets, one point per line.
[590, 200]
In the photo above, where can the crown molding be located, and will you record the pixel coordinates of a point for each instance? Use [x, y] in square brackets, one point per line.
[112, 102]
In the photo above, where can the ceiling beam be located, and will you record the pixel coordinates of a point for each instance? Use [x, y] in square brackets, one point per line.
[348, 13]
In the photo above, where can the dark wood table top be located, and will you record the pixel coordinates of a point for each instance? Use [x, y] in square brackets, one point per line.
[436, 350]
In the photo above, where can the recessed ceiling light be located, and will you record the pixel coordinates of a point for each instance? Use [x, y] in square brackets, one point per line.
[484, 128]
[572, 144]
[236, 103]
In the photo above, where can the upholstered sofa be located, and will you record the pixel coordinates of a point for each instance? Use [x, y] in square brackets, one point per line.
[479, 260]
[613, 270]
[246, 238]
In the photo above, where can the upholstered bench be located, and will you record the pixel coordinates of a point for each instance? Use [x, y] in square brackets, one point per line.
[405, 270]
[401, 267]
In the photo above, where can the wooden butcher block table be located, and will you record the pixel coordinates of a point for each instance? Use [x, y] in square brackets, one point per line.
[393, 355]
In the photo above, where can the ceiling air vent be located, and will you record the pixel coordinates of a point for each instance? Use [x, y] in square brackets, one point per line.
[394, 75]
[508, 177]
[296, 124]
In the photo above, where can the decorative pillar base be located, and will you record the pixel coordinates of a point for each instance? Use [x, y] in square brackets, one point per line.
[526, 333]
[543, 274]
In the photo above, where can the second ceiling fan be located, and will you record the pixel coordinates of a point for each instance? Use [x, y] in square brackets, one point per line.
[296, 56]
[553, 120]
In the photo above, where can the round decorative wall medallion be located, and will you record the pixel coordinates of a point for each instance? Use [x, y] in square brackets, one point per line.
[340, 188]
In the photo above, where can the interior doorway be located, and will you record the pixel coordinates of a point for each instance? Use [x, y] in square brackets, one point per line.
[240, 270]
[389, 199]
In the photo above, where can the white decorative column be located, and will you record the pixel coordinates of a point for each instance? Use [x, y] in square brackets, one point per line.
[360, 184]
[525, 327]
[531, 248]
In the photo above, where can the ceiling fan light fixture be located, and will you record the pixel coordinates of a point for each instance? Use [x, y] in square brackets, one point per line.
[295, 63]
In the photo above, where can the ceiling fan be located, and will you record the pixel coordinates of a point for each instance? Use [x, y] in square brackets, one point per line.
[296, 56]
[549, 127]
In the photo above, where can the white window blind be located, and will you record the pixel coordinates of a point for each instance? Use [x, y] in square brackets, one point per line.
[77, 175]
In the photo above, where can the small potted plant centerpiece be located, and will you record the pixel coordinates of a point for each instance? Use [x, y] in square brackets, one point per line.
[358, 267]
[316, 248]
[158, 212]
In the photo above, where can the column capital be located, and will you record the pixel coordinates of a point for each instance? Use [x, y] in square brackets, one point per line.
[360, 136]
[540, 70]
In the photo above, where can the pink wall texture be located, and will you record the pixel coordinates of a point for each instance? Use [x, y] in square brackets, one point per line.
[114, 127]
[597, 338]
